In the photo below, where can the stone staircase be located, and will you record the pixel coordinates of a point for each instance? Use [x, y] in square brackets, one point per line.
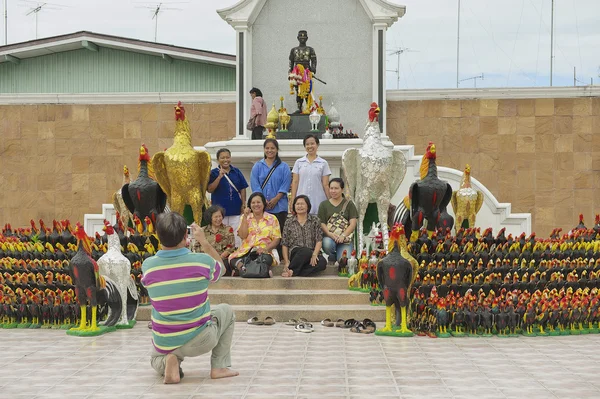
[313, 298]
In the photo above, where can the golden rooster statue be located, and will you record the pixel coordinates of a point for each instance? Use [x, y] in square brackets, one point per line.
[181, 171]
[125, 216]
[466, 202]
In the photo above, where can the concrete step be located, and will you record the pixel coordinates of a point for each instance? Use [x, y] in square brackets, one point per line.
[283, 313]
[281, 283]
[288, 297]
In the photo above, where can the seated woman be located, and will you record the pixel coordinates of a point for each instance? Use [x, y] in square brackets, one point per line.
[218, 235]
[338, 217]
[258, 229]
[302, 241]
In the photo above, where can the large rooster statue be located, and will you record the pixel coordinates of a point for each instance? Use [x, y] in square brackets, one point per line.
[396, 273]
[373, 173]
[114, 265]
[125, 216]
[466, 202]
[182, 171]
[426, 199]
[144, 197]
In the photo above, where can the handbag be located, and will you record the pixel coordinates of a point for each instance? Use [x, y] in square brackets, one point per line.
[255, 266]
[251, 124]
[337, 223]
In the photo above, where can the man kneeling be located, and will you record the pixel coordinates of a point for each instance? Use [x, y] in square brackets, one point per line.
[183, 322]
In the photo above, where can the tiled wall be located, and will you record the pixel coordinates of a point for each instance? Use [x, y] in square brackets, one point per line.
[62, 161]
[542, 155]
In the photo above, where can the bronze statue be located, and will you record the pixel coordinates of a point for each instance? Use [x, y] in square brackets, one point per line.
[303, 63]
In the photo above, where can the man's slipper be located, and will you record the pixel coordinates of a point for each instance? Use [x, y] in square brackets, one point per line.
[327, 323]
[255, 322]
[350, 323]
[340, 323]
[369, 326]
[269, 321]
[304, 328]
[291, 322]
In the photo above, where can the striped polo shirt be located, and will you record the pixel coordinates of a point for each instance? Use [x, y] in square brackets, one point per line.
[177, 283]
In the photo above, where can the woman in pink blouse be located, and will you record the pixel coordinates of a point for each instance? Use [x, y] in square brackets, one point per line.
[258, 111]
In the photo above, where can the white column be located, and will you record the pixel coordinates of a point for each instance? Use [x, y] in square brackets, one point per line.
[243, 87]
[379, 74]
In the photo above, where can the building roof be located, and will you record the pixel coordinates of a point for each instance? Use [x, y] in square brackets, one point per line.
[92, 41]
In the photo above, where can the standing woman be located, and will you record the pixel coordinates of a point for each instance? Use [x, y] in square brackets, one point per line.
[272, 177]
[258, 114]
[310, 175]
[227, 186]
[338, 217]
[302, 241]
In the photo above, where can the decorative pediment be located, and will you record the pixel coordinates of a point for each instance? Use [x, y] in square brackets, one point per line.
[245, 12]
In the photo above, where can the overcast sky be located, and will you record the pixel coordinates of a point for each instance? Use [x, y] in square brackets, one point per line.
[508, 41]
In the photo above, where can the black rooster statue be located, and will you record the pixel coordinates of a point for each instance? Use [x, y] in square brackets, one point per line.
[144, 197]
[396, 273]
[427, 198]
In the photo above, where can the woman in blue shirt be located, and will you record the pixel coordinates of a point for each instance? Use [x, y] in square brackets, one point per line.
[274, 186]
[227, 186]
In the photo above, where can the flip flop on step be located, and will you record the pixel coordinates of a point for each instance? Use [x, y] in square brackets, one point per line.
[304, 328]
[255, 322]
[350, 323]
[340, 323]
[291, 322]
[369, 326]
[269, 321]
[327, 323]
[358, 328]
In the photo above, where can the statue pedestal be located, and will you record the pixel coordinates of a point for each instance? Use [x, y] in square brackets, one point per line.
[300, 126]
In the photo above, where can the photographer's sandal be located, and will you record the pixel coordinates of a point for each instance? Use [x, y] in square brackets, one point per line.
[269, 321]
[255, 321]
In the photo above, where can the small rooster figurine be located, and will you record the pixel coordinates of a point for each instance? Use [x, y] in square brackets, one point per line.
[396, 274]
[114, 265]
[144, 197]
[125, 216]
[466, 202]
[182, 171]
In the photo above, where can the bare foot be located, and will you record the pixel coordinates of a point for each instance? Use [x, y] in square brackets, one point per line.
[222, 373]
[286, 273]
[171, 370]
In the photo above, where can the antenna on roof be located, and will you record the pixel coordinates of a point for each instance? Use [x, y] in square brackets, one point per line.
[37, 7]
[156, 9]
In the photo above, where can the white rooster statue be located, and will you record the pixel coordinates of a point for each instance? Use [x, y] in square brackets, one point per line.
[114, 265]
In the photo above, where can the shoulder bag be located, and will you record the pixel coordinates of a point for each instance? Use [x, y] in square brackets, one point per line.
[275, 165]
[232, 185]
[337, 223]
[255, 266]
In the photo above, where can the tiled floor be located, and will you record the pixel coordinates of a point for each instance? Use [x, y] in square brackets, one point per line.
[278, 362]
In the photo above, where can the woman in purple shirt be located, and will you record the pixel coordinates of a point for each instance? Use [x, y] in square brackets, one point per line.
[310, 175]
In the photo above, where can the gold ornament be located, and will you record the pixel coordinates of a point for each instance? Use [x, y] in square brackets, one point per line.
[272, 123]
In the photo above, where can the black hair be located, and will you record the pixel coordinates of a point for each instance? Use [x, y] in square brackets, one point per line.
[276, 144]
[208, 214]
[310, 136]
[262, 198]
[222, 150]
[171, 229]
[256, 91]
[337, 180]
[306, 199]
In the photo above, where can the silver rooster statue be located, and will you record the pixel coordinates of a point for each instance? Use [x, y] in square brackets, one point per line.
[373, 174]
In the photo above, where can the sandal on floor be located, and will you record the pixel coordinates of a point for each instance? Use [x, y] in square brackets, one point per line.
[340, 323]
[304, 328]
[350, 323]
[255, 322]
[302, 320]
[269, 321]
[291, 322]
[369, 326]
[358, 328]
[327, 323]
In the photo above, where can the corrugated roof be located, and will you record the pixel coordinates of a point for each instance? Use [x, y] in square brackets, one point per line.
[74, 41]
